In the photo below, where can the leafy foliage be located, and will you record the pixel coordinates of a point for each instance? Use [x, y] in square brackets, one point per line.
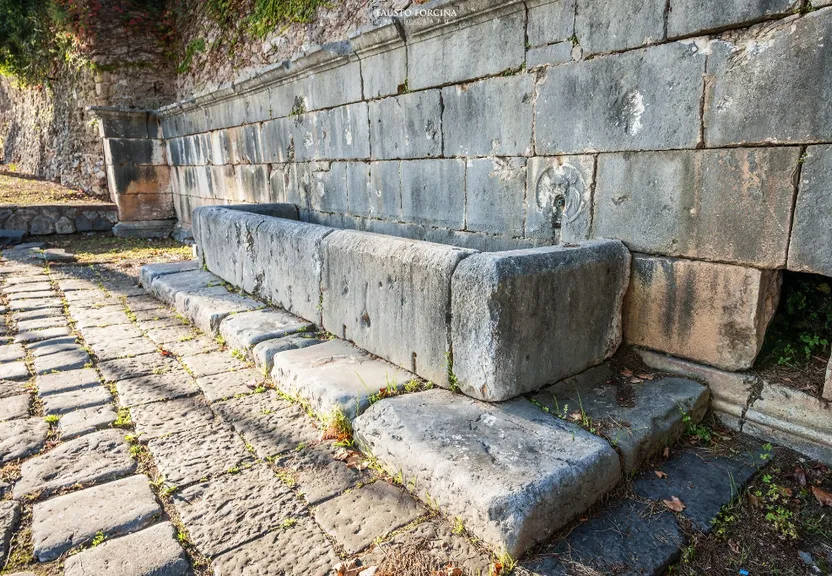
[25, 32]
[262, 16]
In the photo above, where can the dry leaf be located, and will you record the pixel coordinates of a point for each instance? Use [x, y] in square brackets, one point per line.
[660, 474]
[753, 500]
[635, 380]
[496, 569]
[576, 416]
[823, 497]
[735, 548]
[645, 376]
[787, 492]
[674, 504]
[627, 372]
[800, 476]
[666, 452]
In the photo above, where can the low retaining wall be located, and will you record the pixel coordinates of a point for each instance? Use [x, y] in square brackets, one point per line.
[47, 219]
[510, 321]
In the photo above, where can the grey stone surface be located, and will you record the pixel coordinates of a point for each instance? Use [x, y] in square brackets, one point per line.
[192, 455]
[509, 331]
[384, 72]
[10, 388]
[62, 361]
[86, 420]
[550, 21]
[34, 303]
[155, 387]
[374, 189]
[112, 509]
[432, 192]
[153, 551]
[725, 205]
[406, 126]
[641, 426]
[245, 330]
[27, 337]
[265, 352]
[686, 17]
[20, 438]
[64, 402]
[621, 102]
[463, 454]
[227, 511]
[28, 287]
[610, 27]
[228, 384]
[41, 323]
[549, 55]
[357, 518]
[299, 549]
[39, 294]
[172, 333]
[212, 363]
[160, 418]
[167, 286]
[199, 345]
[14, 371]
[96, 457]
[374, 285]
[109, 335]
[11, 353]
[208, 307]
[9, 515]
[115, 370]
[752, 101]
[319, 475]
[14, 407]
[559, 198]
[334, 376]
[56, 313]
[811, 230]
[268, 423]
[470, 127]
[495, 189]
[68, 381]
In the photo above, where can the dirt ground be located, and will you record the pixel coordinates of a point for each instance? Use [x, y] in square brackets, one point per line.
[21, 190]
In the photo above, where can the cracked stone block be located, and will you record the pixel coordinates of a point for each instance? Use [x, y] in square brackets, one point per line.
[229, 384]
[464, 455]
[9, 515]
[86, 420]
[62, 361]
[245, 330]
[812, 227]
[26, 337]
[166, 287]
[213, 363]
[155, 387]
[208, 307]
[11, 353]
[21, 438]
[118, 348]
[637, 429]
[96, 457]
[115, 370]
[334, 376]
[192, 455]
[406, 126]
[265, 352]
[9, 388]
[76, 400]
[299, 549]
[227, 511]
[14, 371]
[160, 418]
[71, 380]
[317, 473]
[270, 424]
[703, 481]
[15, 407]
[357, 518]
[619, 26]
[149, 272]
[113, 509]
[153, 551]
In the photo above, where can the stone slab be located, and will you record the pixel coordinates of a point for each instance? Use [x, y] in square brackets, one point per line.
[15, 407]
[230, 510]
[212, 363]
[11, 353]
[10, 388]
[685, 18]
[28, 287]
[160, 418]
[55, 313]
[106, 335]
[319, 475]
[650, 420]
[406, 126]
[193, 455]
[14, 371]
[62, 382]
[86, 420]
[510, 332]
[53, 346]
[115, 370]
[166, 287]
[334, 376]
[612, 27]
[62, 361]
[96, 457]
[706, 312]
[357, 518]
[812, 230]
[27, 337]
[173, 333]
[35, 304]
[76, 400]
[35, 294]
[9, 515]
[230, 384]
[511, 472]
[153, 551]
[265, 352]
[430, 192]
[245, 330]
[208, 307]
[111, 509]
[268, 423]
[198, 345]
[21, 438]
[155, 387]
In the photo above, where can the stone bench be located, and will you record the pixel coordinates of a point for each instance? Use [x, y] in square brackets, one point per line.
[494, 325]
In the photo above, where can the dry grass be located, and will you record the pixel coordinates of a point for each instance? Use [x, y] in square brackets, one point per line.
[105, 248]
[22, 191]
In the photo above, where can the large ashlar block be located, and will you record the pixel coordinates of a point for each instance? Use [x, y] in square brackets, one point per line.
[526, 318]
[391, 296]
[619, 25]
[711, 313]
[134, 151]
[698, 16]
[809, 250]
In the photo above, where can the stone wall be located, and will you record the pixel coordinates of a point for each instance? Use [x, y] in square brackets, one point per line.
[39, 220]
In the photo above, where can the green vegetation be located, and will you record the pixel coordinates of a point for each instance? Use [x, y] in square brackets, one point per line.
[194, 46]
[263, 16]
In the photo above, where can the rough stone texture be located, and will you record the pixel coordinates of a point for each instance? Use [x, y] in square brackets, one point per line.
[711, 313]
[11, 353]
[686, 17]
[14, 371]
[61, 382]
[115, 370]
[406, 126]
[115, 508]
[9, 389]
[265, 352]
[212, 363]
[318, 474]
[175, 333]
[191, 455]
[76, 400]
[20, 438]
[86, 420]
[558, 198]
[149, 272]
[199, 345]
[27, 337]
[229, 510]
[153, 551]
[165, 287]
[751, 100]
[92, 458]
[228, 384]
[41, 323]
[245, 330]
[334, 376]
[638, 431]
[463, 454]
[58, 218]
[34, 304]
[627, 538]
[39, 294]
[160, 418]
[268, 423]
[549, 21]
[812, 228]
[827, 387]
[357, 518]
[726, 205]
[610, 27]
[703, 481]
[61, 361]
[14, 407]
[621, 102]
[208, 307]
[549, 55]
[154, 387]
[9, 515]
[495, 189]
[431, 192]
[510, 332]
[375, 285]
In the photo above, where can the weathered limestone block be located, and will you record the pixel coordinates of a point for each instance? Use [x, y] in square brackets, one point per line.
[622, 102]
[550, 21]
[729, 205]
[711, 313]
[134, 151]
[134, 208]
[470, 126]
[320, 186]
[143, 179]
[383, 61]
[374, 189]
[812, 228]
[116, 123]
[322, 79]
[9, 516]
[433, 192]
[245, 330]
[149, 272]
[21, 438]
[391, 297]
[208, 307]
[276, 140]
[550, 55]
[406, 126]
[698, 16]
[614, 26]
[263, 353]
[245, 147]
[496, 188]
[526, 318]
[776, 94]
[463, 454]
[559, 198]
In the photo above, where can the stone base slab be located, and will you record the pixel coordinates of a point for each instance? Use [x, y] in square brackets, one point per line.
[144, 229]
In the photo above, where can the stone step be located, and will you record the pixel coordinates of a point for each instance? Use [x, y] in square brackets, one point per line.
[512, 473]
